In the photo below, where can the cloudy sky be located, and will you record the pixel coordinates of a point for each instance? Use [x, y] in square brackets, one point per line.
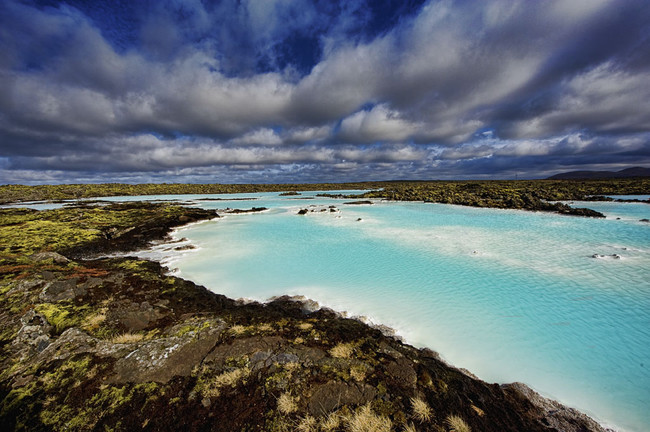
[253, 91]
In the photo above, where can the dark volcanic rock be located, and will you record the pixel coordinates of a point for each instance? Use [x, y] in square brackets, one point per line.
[401, 373]
[62, 290]
[552, 413]
[327, 397]
[251, 210]
[118, 344]
[364, 202]
[163, 359]
[134, 317]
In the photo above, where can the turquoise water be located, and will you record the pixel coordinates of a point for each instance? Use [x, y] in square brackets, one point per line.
[509, 295]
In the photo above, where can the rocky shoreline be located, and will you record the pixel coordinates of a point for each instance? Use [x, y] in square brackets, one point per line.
[119, 344]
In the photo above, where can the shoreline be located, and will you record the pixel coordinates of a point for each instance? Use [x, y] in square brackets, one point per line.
[130, 335]
[313, 305]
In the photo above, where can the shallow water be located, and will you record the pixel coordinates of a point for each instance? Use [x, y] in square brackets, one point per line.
[509, 295]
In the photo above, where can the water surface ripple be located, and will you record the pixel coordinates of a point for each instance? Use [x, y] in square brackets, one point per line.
[509, 295]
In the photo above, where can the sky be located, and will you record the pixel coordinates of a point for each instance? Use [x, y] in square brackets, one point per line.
[281, 91]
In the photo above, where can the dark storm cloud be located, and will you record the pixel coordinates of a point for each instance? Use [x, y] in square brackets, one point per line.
[351, 90]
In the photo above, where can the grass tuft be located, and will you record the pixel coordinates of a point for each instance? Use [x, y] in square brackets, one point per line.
[287, 404]
[457, 424]
[127, 338]
[230, 378]
[342, 350]
[330, 423]
[307, 424]
[478, 411]
[238, 330]
[358, 373]
[365, 420]
[305, 326]
[410, 428]
[421, 410]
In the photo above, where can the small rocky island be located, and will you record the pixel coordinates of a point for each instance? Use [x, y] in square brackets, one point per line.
[94, 344]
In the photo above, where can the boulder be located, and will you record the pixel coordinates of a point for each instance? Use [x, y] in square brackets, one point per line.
[58, 290]
[162, 359]
[401, 373]
[34, 334]
[136, 317]
[44, 256]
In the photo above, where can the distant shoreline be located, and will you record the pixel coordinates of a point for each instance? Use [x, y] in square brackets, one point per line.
[533, 195]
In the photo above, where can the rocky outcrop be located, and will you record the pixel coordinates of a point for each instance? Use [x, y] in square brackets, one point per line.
[328, 397]
[552, 413]
[118, 344]
[362, 202]
[251, 210]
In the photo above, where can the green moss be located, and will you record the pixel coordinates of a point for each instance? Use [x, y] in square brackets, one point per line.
[193, 327]
[336, 371]
[132, 265]
[236, 362]
[278, 380]
[36, 235]
[106, 401]
[59, 416]
[68, 375]
[381, 388]
[63, 315]
[140, 268]
[19, 399]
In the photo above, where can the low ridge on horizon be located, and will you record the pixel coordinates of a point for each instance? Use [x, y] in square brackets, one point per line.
[624, 173]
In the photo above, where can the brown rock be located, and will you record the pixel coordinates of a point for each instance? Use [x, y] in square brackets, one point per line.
[186, 219]
[402, 373]
[161, 360]
[62, 290]
[44, 256]
[136, 317]
[554, 414]
[328, 397]
[246, 346]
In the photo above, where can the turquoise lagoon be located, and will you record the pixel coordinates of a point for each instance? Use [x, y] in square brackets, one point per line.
[510, 295]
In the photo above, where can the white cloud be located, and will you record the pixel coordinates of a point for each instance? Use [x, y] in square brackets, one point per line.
[263, 136]
[420, 91]
[379, 124]
[604, 98]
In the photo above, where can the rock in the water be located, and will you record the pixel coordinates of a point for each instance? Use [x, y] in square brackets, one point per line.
[364, 202]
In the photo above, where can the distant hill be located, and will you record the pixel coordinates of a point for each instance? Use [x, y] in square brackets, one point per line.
[628, 172]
